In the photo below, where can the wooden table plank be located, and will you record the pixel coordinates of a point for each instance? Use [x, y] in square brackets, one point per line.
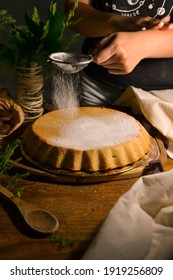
[79, 209]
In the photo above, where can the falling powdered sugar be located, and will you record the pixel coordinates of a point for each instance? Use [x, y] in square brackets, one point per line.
[86, 132]
[65, 92]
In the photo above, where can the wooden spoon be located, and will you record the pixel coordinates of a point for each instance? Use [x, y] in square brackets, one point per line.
[38, 219]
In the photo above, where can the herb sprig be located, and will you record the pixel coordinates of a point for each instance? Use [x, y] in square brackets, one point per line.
[5, 167]
[35, 40]
[64, 241]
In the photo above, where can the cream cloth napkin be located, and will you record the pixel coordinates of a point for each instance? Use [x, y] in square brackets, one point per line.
[156, 106]
[140, 225]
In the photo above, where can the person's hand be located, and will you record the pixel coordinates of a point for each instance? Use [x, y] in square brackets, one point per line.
[120, 52]
[162, 24]
[125, 23]
[165, 23]
[168, 26]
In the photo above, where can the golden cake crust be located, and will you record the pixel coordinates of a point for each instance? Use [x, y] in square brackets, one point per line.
[87, 140]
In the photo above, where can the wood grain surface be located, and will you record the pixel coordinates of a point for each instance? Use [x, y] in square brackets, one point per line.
[80, 209]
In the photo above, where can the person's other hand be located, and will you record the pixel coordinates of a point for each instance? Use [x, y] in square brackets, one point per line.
[125, 23]
[120, 52]
[162, 24]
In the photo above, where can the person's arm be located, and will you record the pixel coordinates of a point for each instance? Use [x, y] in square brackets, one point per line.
[121, 52]
[91, 22]
[95, 23]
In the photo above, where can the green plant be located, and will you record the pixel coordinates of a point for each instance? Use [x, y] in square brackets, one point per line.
[36, 39]
[5, 156]
[64, 241]
[6, 166]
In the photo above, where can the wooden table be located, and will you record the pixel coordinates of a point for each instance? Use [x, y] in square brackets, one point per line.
[80, 209]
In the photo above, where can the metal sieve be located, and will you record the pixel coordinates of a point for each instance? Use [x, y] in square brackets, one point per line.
[69, 62]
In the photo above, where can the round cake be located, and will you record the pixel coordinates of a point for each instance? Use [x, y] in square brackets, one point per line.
[88, 139]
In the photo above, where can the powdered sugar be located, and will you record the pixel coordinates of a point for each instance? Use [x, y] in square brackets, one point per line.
[87, 132]
[66, 90]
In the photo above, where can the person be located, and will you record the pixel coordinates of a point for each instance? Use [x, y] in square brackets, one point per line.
[132, 45]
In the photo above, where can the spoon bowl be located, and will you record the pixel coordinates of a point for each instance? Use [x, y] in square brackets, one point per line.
[69, 62]
[36, 218]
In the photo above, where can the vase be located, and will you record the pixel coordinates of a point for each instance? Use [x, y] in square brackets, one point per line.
[29, 84]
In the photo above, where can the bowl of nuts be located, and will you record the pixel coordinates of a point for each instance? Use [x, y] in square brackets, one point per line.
[11, 114]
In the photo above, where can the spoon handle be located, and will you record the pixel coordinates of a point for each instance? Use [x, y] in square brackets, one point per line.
[7, 194]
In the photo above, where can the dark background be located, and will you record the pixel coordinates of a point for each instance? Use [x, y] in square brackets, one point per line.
[16, 9]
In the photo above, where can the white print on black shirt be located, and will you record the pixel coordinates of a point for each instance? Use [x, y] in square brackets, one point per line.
[154, 8]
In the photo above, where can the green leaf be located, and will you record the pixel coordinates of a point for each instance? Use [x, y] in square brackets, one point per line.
[5, 166]
[45, 30]
[56, 26]
[64, 241]
[68, 21]
[69, 41]
[34, 24]
[5, 19]
[36, 39]
[53, 45]
[35, 16]
[19, 192]
[52, 9]
[6, 155]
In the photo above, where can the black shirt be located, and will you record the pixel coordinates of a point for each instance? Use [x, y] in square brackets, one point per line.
[149, 74]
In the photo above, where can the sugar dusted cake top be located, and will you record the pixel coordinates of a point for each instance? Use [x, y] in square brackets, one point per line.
[87, 128]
